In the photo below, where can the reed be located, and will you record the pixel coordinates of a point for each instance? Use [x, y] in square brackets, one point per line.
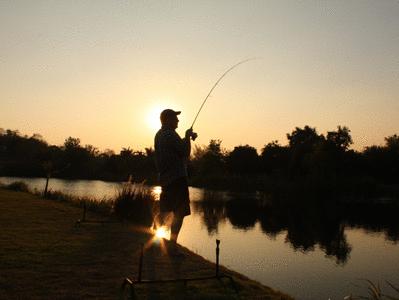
[134, 203]
[102, 206]
[375, 292]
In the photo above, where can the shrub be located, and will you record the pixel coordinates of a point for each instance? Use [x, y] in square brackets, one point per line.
[134, 203]
[18, 186]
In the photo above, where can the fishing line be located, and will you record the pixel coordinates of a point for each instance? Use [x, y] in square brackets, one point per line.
[216, 83]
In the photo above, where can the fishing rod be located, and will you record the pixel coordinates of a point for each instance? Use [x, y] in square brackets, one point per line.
[214, 86]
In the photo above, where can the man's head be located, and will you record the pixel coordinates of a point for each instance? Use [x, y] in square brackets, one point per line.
[169, 118]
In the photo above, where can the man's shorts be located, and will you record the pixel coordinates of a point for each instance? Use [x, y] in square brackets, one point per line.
[175, 198]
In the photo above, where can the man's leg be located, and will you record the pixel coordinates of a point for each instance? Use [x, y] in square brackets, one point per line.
[162, 219]
[175, 227]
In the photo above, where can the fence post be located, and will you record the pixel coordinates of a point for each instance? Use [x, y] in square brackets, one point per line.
[46, 187]
[84, 212]
[141, 263]
[217, 257]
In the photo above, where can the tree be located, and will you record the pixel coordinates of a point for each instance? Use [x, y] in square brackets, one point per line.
[126, 153]
[274, 157]
[392, 156]
[341, 138]
[243, 159]
[37, 136]
[209, 162]
[305, 138]
[71, 143]
[93, 151]
[77, 158]
[330, 156]
[302, 143]
[392, 143]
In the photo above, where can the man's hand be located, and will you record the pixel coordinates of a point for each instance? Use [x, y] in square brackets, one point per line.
[191, 134]
[194, 135]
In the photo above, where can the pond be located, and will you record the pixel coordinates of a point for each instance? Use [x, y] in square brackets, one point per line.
[313, 251]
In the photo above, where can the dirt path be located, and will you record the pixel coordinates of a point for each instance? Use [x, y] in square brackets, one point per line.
[43, 255]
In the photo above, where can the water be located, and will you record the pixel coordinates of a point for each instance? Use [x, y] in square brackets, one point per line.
[307, 252]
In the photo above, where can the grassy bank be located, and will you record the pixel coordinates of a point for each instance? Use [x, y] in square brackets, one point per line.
[43, 255]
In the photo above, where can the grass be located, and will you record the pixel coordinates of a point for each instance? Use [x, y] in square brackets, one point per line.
[43, 255]
[375, 292]
[134, 203]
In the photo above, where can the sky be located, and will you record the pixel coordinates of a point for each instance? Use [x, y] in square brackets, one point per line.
[102, 71]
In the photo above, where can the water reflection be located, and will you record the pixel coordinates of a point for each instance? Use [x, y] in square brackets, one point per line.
[319, 224]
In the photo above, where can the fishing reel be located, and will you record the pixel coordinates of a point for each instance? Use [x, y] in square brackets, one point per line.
[190, 133]
[194, 135]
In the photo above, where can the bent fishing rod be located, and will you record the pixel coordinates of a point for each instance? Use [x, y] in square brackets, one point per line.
[214, 86]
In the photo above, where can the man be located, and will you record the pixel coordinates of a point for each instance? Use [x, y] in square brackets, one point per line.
[171, 154]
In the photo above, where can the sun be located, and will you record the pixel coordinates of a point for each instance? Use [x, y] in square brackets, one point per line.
[152, 117]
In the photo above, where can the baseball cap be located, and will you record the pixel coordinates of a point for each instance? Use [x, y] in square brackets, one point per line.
[169, 113]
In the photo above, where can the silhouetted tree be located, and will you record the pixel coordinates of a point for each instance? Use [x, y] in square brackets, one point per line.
[243, 160]
[341, 138]
[302, 142]
[208, 162]
[274, 158]
[309, 160]
[392, 143]
[329, 155]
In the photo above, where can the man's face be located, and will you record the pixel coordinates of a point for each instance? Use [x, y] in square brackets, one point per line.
[175, 122]
[172, 122]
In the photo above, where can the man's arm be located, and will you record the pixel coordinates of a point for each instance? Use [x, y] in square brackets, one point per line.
[187, 142]
[183, 145]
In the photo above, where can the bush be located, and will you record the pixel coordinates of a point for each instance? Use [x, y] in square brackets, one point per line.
[134, 203]
[18, 186]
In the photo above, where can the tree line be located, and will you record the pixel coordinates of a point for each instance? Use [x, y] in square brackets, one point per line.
[21, 155]
[309, 158]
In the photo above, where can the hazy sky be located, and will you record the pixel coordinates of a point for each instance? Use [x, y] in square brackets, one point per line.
[103, 70]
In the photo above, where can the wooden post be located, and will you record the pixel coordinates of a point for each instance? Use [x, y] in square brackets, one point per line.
[141, 263]
[84, 212]
[217, 257]
[46, 187]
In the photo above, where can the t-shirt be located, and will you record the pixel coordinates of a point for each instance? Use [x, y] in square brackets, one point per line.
[171, 153]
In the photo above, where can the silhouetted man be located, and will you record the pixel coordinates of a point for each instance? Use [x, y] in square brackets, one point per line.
[172, 153]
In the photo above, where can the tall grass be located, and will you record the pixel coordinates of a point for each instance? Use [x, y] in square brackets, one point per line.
[375, 292]
[103, 206]
[134, 203]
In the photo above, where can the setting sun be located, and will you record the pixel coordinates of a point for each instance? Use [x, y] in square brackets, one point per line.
[152, 118]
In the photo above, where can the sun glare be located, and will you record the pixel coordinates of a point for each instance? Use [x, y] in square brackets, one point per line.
[162, 233]
[152, 118]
